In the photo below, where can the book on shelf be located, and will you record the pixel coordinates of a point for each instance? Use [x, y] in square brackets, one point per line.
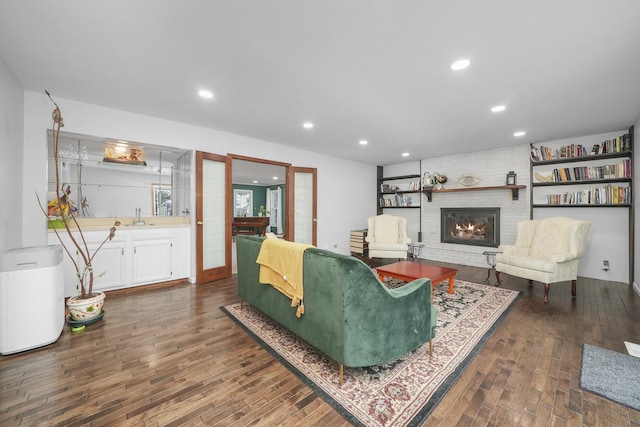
[594, 195]
[396, 200]
[415, 186]
[615, 145]
[590, 173]
[406, 186]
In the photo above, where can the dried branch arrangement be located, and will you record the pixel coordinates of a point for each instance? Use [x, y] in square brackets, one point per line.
[63, 205]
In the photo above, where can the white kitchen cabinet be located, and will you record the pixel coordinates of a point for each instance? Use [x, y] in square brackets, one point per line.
[151, 261]
[110, 260]
[135, 256]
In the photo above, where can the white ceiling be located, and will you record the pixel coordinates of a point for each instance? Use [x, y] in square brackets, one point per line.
[359, 69]
[254, 173]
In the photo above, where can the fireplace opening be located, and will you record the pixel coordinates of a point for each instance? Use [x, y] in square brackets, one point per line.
[470, 226]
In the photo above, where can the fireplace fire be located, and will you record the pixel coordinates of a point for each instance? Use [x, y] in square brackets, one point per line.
[470, 226]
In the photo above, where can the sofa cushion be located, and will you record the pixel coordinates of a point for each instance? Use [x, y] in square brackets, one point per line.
[527, 262]
[388, 246]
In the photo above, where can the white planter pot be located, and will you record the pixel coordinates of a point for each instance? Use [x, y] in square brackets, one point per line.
[86, 309]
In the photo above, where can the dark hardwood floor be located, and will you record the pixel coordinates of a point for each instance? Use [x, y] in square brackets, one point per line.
[167, 355]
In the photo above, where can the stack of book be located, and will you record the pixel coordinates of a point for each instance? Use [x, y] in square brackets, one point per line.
[358, 244]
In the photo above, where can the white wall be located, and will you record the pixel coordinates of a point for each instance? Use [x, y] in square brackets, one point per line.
[346, 194]
[11, 164]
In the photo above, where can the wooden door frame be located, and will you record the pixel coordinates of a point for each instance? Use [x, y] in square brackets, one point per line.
[288, 209]
[221, 272]
[231, 157]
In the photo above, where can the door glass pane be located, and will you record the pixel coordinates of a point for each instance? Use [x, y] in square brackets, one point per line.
[213, 214]
[303, 196]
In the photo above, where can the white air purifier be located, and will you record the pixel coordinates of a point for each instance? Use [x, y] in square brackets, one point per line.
[31, 298]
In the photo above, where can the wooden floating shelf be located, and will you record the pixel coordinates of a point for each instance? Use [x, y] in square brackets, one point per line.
[515, 190]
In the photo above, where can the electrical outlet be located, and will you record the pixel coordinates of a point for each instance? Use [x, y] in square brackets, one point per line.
[605, 265]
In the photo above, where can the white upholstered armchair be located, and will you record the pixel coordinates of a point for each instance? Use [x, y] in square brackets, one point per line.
[387, 237]
[546, 250]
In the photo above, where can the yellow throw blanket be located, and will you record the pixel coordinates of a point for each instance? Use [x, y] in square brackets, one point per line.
[281, 267]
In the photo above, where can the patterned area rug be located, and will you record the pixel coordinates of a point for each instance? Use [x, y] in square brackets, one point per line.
[404, 392]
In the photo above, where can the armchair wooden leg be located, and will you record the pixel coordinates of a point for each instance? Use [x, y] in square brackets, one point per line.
[341, 371]
[530, 282]
[573, 288]
[430, 347]
[498, 278]
[546, 292]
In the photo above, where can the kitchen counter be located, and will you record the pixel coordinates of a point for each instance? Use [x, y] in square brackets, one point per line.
[97, 224]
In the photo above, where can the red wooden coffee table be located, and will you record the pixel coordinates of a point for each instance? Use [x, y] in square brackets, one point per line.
[408, 271]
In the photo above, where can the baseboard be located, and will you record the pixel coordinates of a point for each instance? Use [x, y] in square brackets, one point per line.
[636, 288]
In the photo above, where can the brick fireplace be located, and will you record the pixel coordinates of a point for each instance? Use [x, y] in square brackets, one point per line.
[470, 226]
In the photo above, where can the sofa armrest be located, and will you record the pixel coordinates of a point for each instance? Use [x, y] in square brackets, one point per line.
[408, 289]
[382, 324]
[562, 257]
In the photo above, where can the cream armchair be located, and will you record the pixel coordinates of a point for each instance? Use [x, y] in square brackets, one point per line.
[387, 237]
[546, 250]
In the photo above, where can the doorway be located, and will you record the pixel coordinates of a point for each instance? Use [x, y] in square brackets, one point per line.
[290, 193]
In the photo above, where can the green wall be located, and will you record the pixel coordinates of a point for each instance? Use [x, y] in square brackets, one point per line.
[260, 198]
[259, 195]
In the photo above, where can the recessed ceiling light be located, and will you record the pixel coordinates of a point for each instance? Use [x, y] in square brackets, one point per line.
[275, 178]
[460, 64]
[520, 133]
[498, 108]
[363, 142]
[205, 93]
[405, 154]
[307, 125]
[255, 181]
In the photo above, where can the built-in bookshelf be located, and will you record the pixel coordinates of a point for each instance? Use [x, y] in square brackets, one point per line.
[577, 176]
[398, 192]
[598, 175]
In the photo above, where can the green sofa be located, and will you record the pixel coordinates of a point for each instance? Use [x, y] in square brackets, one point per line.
[349, 314]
